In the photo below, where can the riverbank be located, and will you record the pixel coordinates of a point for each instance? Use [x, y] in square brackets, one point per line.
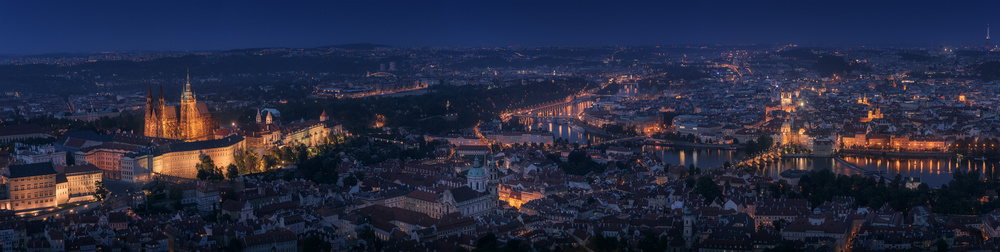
[898, 154]
[804, 155]
[690, 144]
[594, 130]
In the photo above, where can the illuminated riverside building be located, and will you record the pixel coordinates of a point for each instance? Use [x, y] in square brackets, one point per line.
[905, 143]
[510, 138]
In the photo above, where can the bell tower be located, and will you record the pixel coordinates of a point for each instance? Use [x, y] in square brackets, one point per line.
[152, 121]
[189, 112]
[493, 178]
[689, 220]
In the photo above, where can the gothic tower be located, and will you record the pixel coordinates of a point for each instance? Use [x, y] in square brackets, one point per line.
[189, 112]
[161, 106]
[151, 122]
[189, 121]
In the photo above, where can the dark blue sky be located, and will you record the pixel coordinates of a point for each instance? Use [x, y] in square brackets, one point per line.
[30, 27]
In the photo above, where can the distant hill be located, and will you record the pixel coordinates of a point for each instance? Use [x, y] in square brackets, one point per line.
[358, 46]
[829, 65]
[799, 54]
[988, 70]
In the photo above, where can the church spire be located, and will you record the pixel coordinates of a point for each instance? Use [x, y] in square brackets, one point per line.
[187, 95]
[149, 97]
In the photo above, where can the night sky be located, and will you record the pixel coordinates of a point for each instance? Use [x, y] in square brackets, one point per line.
[33, 27]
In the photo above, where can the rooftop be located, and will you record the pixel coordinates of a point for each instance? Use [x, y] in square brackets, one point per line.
[31, 170]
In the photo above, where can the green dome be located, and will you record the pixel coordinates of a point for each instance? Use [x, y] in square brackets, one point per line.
[476, 172]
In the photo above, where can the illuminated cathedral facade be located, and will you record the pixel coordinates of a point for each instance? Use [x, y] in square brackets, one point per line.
[190, 121]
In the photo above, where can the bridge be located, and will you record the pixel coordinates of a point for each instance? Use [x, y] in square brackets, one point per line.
[614, 141]
[760, 159]
[553, 109]
[876, 172]
[560, 109]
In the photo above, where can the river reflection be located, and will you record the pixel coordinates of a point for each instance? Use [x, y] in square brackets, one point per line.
[933, 171]
[713, 158]
[565, 131]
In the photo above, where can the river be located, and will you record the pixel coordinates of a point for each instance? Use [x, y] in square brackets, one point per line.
[933, 171]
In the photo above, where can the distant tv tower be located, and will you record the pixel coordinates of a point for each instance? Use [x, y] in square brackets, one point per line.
[987, 36]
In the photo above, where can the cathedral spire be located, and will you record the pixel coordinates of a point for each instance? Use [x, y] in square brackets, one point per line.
[149, 97]
[187, 95]
[149, 100]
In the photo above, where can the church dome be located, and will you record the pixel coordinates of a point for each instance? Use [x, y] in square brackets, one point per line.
[476, 172]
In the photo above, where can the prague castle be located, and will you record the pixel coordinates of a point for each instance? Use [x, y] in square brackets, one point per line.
[190, 121]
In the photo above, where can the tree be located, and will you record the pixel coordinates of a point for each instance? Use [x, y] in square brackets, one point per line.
[99, 191]
[314, 243]
[942, 245]
[247, 161]
[516, 245]
[708, 188]
[652, 242]
[232, 172]
[778, 224]
[176, 194]
[207, 169]
[70, 158]
[234, 245]
[487, 243]
[203, 174]
[602, 243]
[269, 162]
[368, 234]
[578, 163]
[350, 181]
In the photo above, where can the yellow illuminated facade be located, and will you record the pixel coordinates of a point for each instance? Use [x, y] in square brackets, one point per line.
[191, 121]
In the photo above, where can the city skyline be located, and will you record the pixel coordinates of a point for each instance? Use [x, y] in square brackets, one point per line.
[757, 126]
[74, 27]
